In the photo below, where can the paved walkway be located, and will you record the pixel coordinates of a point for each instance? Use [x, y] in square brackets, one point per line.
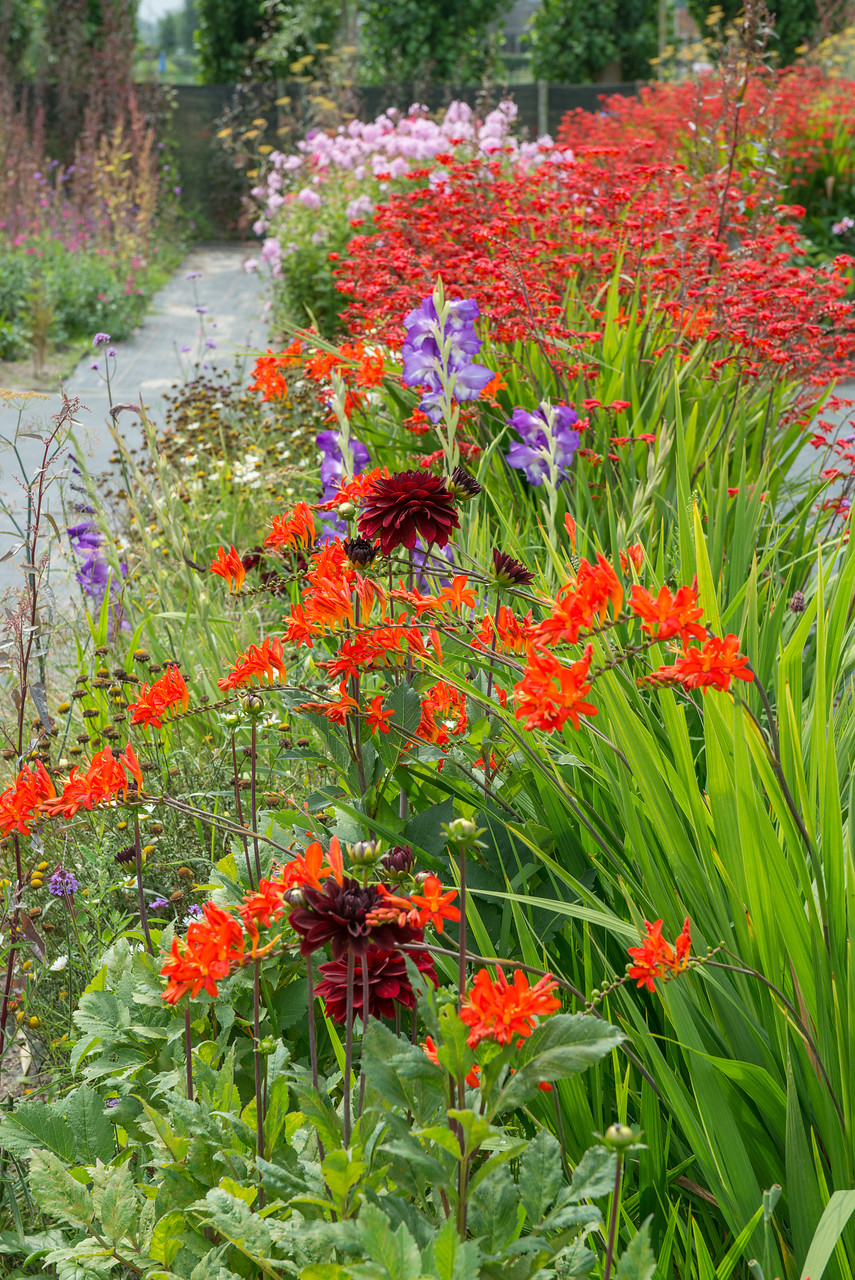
[146, 366]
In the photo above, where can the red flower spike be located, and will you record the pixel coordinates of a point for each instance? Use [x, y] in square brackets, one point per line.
[228, 565]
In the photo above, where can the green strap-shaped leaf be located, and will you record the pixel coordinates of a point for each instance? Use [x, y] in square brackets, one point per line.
[832, 1224]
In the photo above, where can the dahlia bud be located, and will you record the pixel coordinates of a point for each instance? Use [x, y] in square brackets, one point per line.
[797, 604]
[619, 1137]
[254, 705]
[509, 572]
[294, 897]
[230, 719]
[267, 1045]
[399, 861]
[462, 486]
[360, 552]
[125, 855]
[464, 833]
[347, 511]
[364, 853]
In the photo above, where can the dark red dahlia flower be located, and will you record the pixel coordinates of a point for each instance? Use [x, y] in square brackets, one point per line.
[509, 572]
[388, 983]
[338, 914]
[408, 505]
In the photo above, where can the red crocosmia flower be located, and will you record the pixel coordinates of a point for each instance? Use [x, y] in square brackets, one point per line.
[570, 526]
[666, 615]
[337, 710]
[129, 759]
[388, 983]
[265, 905]
[496, 1010]
[634, 555]
[20, 803]
[260, 662]
[405, 506]
[656, 958]
[711, 667]
[376, 718]
[433, 905]
[310, 869]
[551, 693]
[168, 692]
[430, 1049]
[229, 565]
[294, 529]
[213, 945]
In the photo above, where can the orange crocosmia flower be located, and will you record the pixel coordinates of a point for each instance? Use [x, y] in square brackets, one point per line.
[551, 693]
[355, 490]
[371, 371]
[129, 759]
[229, 565]
[600, 586]
[433, 905]
[265, 905]
[429, 730]
[655, 958]
[213, 945]
[260, 662]
[336, 710]
[376, 718]
[570, 526]
[457, 594]
[430, 1049]
[713, 666]
[169, 691]
[20, 803]
[309, 869]
[493, 387]
[514, 635]
[294, 529]
[634, 555]
[495, 1010]
[319, 366]
[300, 628]
[668, 615]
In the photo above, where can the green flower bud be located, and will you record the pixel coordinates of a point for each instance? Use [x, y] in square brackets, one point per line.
[619, 1137]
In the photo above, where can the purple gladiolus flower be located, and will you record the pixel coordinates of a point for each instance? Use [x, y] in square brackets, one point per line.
[100, 339]
[423, 357]
[332, 474]
[548, 441]
[87, 536]
[62, 884]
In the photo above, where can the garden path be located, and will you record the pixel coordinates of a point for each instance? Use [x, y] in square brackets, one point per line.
[147, 365]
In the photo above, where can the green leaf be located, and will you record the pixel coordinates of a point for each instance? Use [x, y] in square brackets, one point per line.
[541, 1176]
[395, 1252]
[166, 1237]
[449, 1258]
[594, 1175]
[235, 1220]
[33, 1124]
[637, 1261]
[493, 1216]
[831, 1226]
[93, 1132]
[118, 1206]
[453, 1050]
[277, 1113]
[341, 1174]
[561, 1046]
[56, 1192]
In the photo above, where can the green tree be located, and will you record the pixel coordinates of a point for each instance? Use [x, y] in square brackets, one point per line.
[796, 22]
[187, 20]
[298, 29]
[225, 29]
[572, 42]
[167, 33]
[422, 41]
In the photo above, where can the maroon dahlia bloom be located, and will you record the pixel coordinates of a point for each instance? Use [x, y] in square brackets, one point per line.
[388, 983]
[406, 506]
[338, 914]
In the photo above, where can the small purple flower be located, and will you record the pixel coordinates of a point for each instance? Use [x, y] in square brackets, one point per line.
[157, 904]
[195, 911]
[111, 351]
[548, 442]
[100, 339]
[193, 275]
[87, 536]
[209, 342]
[185, 346]
[62, 884]
[95, 365]
[201, 311]
[111, 1102]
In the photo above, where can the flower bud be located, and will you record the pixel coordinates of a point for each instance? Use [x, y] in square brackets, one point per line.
[267, 1045]
[464, 833]
[253, 704]
[364, 853]
[399, 861]
[462, 486]
[294, 897]
[619, 1137]
[347, 510]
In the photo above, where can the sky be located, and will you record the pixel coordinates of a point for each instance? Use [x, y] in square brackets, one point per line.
[151, 10]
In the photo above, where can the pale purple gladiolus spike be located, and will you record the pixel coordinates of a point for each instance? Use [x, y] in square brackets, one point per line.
[426, 366]
[548, 441]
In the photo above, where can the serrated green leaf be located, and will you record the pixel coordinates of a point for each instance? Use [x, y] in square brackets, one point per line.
[32, 1124]
[93, 1133]
[449, 1258]
[637, 1261]
[493, 1217]
[395, 1252]
[56, 1192]
[541, 1176]
[594, 1175]
[118, 1203]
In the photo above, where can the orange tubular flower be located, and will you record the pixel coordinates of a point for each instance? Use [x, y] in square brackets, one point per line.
[433, 905]
[264, 906]
[228, 565]
[166, 693]
[310, 870]
[550, 693]
[458, 594]
[668, 615]
[495, 1010]
[213, 945]
[20, 803]
[131, 763]
[711, 667]
[336, 711]
[634, 555]
[655, 958]
[294, 529]
[261, 663]
[376, 718]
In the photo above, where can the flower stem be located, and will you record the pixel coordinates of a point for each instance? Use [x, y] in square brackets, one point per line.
[188, 1050]
[348, 1047]
[253, 800]
[140, 894]
[366, 992]
[256, 1036]
[610, 1248]
[239, 808]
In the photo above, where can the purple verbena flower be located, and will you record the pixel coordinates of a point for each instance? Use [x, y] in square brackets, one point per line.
[548, 442]
[100, 339]
[157, 904]
[62, 884]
